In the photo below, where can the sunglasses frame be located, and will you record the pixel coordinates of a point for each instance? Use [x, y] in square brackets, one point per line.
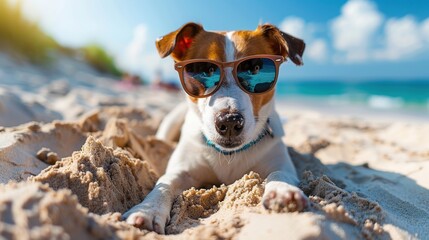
[180, 66]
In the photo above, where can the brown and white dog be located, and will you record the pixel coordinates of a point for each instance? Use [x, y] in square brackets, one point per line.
[194, 163]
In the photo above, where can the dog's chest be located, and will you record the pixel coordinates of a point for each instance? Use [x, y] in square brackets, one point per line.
[230, 168]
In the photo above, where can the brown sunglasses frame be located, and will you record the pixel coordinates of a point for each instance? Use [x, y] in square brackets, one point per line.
[180, 66]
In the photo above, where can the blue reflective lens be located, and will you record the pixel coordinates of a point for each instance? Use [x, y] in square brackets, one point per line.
[201, 78]
[257, 75]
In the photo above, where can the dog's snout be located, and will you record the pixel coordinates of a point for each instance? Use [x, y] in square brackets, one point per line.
[229, 124]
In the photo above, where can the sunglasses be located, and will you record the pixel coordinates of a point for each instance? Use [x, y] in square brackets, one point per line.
[255, 74]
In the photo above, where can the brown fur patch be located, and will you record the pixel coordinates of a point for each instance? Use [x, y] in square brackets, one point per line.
[177, 43]
[193, 99]
[250, 43]
[207, 45]
[258, 101]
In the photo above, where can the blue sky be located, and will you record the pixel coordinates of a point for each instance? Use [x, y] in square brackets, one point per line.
[350, 40]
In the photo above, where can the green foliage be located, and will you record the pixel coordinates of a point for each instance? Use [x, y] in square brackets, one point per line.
[20, 35]
[95, 55]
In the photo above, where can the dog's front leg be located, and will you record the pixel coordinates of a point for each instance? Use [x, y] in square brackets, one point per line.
[281, 193]
[154, 212]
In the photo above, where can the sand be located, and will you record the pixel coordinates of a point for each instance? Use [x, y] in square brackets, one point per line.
[71, 173]
[103, 180]
[110, 174]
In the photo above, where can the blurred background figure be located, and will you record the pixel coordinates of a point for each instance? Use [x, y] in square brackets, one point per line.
[159, 82]
[129, 81]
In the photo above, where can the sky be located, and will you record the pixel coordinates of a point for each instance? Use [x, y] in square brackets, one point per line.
[346, 40]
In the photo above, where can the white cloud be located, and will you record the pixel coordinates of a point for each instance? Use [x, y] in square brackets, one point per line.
[354, 30]
[295, 26]
[317, 50]
[134, 53]
[140, 56]
[299, 28]
[425, 29]
[357, 37]
[402, 38]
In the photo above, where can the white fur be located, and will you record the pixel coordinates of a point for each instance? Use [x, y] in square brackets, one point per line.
[170, 132]
[229, 47]
[229, 96]
[193, 163]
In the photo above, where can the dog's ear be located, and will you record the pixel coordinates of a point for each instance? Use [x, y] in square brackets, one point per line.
[283, 43]
[178, 42]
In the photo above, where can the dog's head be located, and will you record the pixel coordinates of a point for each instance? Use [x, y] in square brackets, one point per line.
[230, 117]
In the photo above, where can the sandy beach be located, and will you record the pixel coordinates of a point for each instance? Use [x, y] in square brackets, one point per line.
[77, 150]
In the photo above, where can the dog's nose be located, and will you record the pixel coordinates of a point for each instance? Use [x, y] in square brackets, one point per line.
[229, 124]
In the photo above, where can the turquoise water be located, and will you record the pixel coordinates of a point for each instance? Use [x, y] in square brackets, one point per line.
[377, 94]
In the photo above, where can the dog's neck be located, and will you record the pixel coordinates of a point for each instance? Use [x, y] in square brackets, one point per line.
[266, 131]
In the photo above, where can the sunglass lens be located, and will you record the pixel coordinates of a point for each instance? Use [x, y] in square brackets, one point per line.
[257, 75]
[201, 78]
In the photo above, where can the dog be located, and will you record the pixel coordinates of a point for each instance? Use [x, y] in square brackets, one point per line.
[228, 126]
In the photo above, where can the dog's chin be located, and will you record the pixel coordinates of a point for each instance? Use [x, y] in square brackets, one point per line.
[229, 144]
[225, 143]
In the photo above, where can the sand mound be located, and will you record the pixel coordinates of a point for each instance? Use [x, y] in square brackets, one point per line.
[34, 211]
[343, 206]
[221, 212]
[139, 120]
[19, 147]
[195, 204]
[131, 130]
[104, 180]
[28, 149]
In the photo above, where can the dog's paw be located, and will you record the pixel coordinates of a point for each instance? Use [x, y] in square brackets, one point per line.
[284, 198]
[149, 218]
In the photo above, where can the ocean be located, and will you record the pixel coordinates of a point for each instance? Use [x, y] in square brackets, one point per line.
[404, 96]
